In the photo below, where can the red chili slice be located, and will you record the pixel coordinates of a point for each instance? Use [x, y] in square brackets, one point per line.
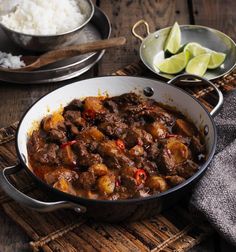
[68, 143]
[140, 176]
[89, 114]
[120, 143]
[118, 183]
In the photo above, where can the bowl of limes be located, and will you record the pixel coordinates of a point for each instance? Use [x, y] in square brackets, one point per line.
[191, 49]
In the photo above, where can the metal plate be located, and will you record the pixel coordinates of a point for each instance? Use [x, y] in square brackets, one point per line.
[151, 50]
[98, 28]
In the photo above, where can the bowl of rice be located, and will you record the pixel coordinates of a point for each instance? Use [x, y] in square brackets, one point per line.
[42, 25]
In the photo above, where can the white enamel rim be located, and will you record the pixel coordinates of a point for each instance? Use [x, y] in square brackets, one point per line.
[115, 85]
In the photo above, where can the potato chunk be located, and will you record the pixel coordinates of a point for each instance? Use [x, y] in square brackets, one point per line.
[93, 133]
[93, 103]
[157, 130]
[178, 151]
[51, 122]
[99, 169]
[106, 184]
[136, 151]
[65, 186]
[157, 183]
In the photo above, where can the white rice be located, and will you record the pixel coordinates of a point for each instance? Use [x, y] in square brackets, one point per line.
[43, 17]
[7, 60]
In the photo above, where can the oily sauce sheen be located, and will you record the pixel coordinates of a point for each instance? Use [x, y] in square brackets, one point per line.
[115, 148]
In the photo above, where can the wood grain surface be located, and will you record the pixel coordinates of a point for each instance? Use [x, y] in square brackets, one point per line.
[218, 14]
[15, 99]
[124, 14]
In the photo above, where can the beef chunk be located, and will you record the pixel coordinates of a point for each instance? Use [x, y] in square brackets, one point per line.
[147, 165]
[167, 162]
[138, 136]
[130, 183]
[47, 154]
[174, 180]
[128, 98]
[57, 136]
[72, 130]
[75, 118]
[187, 169]
[85, 158]
[54, 175]
[76, 104]
[111, 106]
[113, 156]
[35, 142]
[108, 117]
[87, 180]
[155, 113]
[113, 129]
[153, 152]
[134, 110]
[128, 171]
[91, 138]
[67, 156]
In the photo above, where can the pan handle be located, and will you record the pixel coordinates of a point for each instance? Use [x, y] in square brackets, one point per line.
[30, 202]
[187, 80]
[136, 25]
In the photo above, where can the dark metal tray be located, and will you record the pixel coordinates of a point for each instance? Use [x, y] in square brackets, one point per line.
[98, 28]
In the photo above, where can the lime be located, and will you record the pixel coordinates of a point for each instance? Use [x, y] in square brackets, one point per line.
[196, 49]
[174, 64]
[172, 44]
[216, 59]
[198, 65]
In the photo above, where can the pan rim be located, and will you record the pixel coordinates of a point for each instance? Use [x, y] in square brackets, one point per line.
[158, 196]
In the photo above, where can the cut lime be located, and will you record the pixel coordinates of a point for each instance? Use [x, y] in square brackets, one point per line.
[174, 64]
[216, 59]
[172, 44]
[198, 65]
[196, 49]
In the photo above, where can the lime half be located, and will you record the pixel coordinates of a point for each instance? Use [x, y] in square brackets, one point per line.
[216, 59]
[198, 65]
[172, 44]
[174, 64]
[196, 49]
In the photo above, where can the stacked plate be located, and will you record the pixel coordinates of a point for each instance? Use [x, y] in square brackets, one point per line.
[98, 28]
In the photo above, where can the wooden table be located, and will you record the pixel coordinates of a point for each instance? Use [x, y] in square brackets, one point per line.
[14, 99]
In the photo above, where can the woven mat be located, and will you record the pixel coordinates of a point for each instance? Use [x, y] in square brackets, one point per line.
[66, 231]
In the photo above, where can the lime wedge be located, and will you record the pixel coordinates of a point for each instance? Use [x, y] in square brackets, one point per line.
[174, 64]
[196, 49]
[198, 65]
[216, 59]
[172, 44]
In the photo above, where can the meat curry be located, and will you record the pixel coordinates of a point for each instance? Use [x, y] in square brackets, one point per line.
[115, 148]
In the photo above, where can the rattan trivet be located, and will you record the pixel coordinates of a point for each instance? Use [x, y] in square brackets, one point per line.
[64, 230]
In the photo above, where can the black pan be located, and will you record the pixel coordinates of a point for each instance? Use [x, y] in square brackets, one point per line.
[116, 210]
